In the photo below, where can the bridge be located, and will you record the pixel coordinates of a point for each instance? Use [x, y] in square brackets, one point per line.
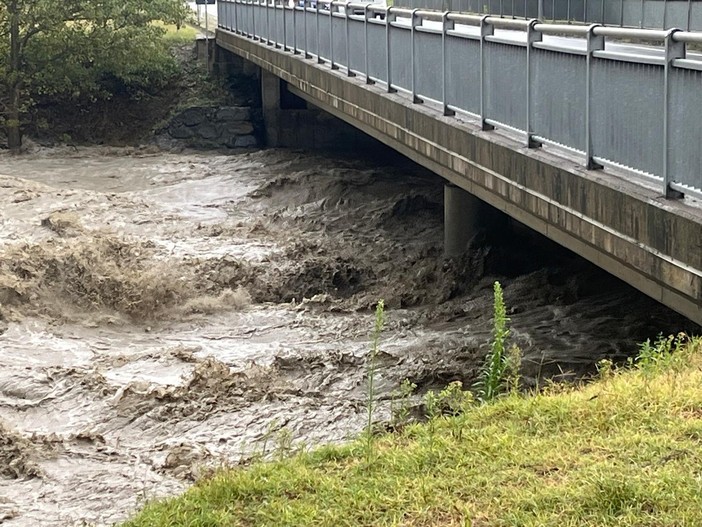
[579, 132]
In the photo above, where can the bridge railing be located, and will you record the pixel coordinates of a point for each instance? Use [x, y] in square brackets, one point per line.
[577, 87]
[652, 14]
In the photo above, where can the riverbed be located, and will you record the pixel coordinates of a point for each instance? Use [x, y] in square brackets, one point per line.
[165, 314]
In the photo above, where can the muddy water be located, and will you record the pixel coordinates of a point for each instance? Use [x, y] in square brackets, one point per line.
[163, 314]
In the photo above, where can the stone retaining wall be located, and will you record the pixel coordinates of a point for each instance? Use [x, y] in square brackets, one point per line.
[215, 127]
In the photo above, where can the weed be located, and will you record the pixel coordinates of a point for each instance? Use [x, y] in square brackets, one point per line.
[284, 440]
[400, 404]
[514, 365]
[605, 368]
[451, 401]
[662, 354]
[493, 375]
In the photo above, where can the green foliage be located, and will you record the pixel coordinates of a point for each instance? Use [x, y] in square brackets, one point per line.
[663, 353]
[452, 400]
[400, 404]
[514, 365]
[499, 365]
[82, 49]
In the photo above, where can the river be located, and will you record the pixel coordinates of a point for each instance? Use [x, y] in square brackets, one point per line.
[164, 314]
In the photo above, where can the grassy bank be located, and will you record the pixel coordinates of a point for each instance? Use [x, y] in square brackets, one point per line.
[623, 450]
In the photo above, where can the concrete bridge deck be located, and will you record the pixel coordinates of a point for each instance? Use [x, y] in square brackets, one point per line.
[616, 218]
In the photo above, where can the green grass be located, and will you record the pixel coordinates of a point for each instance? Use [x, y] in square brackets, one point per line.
[625, 450]
[178, 35]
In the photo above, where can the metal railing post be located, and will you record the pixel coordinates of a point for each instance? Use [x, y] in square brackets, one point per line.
[236, 18]
[333, 64]
[446, 25]
[532, 36]
[673, 50]
[304, 20]
[388, 26]
[366, 12]
[269, 42]
[253, 20]
[274, 9]
[319, 44]
[349, 73]
[413, 56]
[594, 43]
[486, 29]
[540, 10]
[294, 10]
[285, 27]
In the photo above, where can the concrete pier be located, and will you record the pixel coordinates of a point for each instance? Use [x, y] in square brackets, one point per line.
[462, 219]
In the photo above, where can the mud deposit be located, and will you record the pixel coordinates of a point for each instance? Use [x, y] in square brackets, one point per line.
[164, 314]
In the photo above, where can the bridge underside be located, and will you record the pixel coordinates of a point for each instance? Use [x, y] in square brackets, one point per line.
[630, 231]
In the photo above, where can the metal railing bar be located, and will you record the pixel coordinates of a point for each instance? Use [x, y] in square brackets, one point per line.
[627, 57]
[504, 40]
[546, 46]
[688, 37]
[651, 35]
[688, 64]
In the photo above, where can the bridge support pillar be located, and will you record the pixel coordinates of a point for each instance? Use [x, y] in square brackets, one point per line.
[462, 219]
[270, 102]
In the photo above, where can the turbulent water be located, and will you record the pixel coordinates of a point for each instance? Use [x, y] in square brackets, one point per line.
[164, 314]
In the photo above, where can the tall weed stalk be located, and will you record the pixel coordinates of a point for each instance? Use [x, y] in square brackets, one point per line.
[498, 365]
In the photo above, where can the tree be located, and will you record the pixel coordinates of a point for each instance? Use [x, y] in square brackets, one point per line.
[77, 47]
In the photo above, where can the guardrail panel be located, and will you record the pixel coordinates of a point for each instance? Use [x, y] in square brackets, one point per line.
[401, 57]
[505, 84]
[429, 68]
[463, 74]
[276, 24]
[357, 46]
[627, 114]
[339, 40]
[558, 111]
[377, 52]
[685, 119]
[229, 14]
[299, 24]
[324, 34]
[289, 33]
[258, 21]
[310, 19]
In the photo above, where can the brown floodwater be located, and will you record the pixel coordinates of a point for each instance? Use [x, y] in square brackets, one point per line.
[164, 314]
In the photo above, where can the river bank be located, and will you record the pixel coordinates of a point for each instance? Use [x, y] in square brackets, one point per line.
[164, 314]
[622, 451]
